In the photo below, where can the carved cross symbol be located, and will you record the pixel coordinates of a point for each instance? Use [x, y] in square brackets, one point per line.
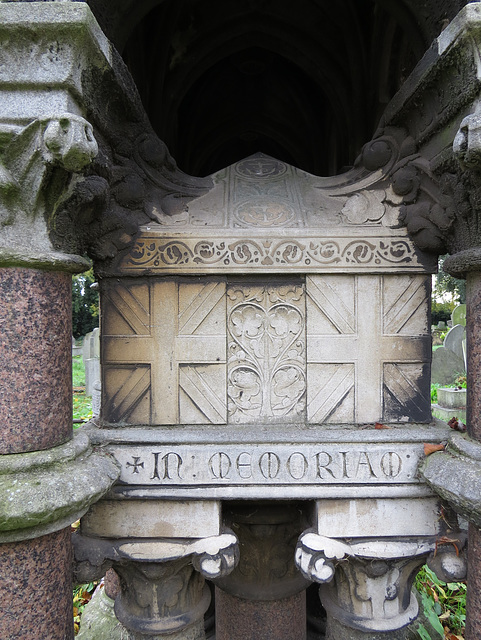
[136, 464]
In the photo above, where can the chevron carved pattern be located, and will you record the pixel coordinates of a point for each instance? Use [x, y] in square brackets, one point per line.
[164, 352]
[368, 348]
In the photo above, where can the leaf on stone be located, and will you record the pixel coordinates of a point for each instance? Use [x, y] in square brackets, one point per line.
[431, 448]
[457, 425]
[379, 425]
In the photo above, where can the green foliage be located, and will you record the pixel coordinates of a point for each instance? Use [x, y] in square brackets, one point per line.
[446, 285]
[85, 304]
[82, 593]
[81, 404]
[443, 605]
[78, 372]
[441, 311]
[434, 392]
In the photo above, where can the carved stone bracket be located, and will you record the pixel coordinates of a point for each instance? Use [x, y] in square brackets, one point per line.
[162, 581]
[366, 583]
[34, 172]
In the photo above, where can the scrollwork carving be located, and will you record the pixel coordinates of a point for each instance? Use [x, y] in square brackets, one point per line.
[266, 346]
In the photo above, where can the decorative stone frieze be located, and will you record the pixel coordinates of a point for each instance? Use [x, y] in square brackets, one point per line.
[45, 491]
[335, 462]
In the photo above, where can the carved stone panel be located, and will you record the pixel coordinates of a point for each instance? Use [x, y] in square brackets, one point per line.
[164, 352]
[266, 352]
[328, 349]
[368, 348]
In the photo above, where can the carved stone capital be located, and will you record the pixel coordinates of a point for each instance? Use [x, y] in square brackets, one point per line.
[160, 598]
[31, 186]
[366, 583]
[162, 581]
[213, 557]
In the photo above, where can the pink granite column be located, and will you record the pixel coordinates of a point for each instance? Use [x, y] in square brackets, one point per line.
[35, 359]
[35, 414]
[36, 588]
[473, 419]
[240, 619]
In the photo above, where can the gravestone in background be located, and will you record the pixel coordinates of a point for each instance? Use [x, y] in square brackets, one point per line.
[91, 360]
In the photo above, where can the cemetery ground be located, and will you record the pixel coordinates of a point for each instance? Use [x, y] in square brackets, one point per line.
[442, 605]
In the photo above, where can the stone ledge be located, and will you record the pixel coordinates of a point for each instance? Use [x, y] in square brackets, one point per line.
[47, 261]
[455, 475]
[42, 492]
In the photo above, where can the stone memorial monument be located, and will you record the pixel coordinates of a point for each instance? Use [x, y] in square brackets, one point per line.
[264, 342]
[269, 343]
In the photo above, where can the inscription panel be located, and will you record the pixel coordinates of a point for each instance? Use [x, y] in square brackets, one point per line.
[268, 464]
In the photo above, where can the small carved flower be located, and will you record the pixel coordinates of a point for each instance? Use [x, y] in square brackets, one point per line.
[364, 207]
[247, 321]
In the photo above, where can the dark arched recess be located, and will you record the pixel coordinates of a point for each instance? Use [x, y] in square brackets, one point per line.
[304, 81]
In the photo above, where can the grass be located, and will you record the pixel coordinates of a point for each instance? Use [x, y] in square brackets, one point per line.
[82, 404]
[444, 606]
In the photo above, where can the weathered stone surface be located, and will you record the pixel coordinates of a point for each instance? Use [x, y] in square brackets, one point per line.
[161, 519]
[99, 621]
[292, 462]
[452, 398]
[446, 366]
[45, 491]
[338, 349]
[381, 517]
[455, 475]
[454, 340]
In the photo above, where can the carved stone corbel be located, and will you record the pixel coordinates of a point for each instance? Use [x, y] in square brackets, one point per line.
[163, 593]
[366, 583]
[34, 176]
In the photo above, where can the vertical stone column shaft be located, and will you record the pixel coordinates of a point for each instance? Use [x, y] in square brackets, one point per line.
[240, 619]
[473, 338]
[35, 414]
[36, 588]
[35, 359]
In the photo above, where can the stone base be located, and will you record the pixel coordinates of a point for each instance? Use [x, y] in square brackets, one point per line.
[337, 631]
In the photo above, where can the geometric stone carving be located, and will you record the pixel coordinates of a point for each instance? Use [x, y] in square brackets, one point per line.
[164, 352]
[368, 348]
[215, 351]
